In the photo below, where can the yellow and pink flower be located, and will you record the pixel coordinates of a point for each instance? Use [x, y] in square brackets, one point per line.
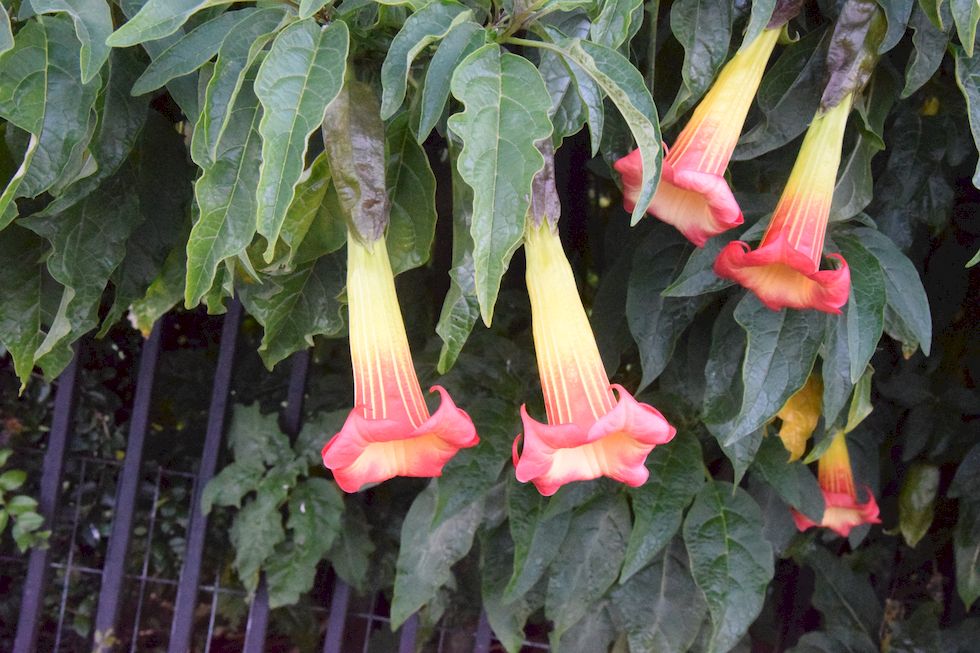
[594, 428]
[843, 510]
[389, 432]
[784, 271]
[693, 195]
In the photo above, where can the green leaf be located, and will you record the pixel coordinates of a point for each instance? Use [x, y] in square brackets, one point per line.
[624, 85]
[917, 501]
[852, 51]
[930, 47]
[307, 206]
[660, 607]
[698, 275]
[238, 51]
[225, 195]
[968, 79]
[40, 94]
[254, 534]
[254, 436]
[723, 383]
[350, 555]
[966, 547]
[21, 505]
[595, 631]
[22, 297]
[846, 600]
[425, 26]
[506, 114]
[704, 28]
[460, 309]
[507, 618]
[157, 19]
[612, 26]
[295, 306]
[864, 312]
[426, 554]
[759, 18]
[897, 13]
[588, 563]
[906, 298]
[6, 41]
[462, 39]
[5, 455]
[657, 322]
[676, 475]
[93, 24]
[782, 346]
[232, 483]
[412, 189]
[793, 481]
[190, 51]
[731, 561]
[966, 13]
[12, 479]
[309, 7]
[301, 75]
[536, 534]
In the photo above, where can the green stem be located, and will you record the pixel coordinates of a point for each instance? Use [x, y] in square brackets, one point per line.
[513, 40]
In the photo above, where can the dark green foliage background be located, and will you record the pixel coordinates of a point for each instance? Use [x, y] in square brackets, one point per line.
[169, 168]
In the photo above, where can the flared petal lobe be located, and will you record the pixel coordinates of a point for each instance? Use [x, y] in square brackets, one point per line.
[800, 416]
[389, 432]
[693, 195]
[843, 509]
[590, 432]
[784, 271]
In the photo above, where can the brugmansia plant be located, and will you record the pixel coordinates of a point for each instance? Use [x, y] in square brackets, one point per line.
[361, 174]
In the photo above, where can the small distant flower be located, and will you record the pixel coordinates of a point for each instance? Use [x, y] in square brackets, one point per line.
[389, 432]
[843, 510]
[590, 432]
[693, 195]
[784, 271]
[800, 415]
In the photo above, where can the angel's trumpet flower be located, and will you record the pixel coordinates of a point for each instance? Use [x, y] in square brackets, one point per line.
[784, 271]
[389, 432]
[800, 415]
[843, 511]
[693, 195]
[590, 432]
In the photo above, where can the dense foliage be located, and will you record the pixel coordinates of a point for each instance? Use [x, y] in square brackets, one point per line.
[166, 152]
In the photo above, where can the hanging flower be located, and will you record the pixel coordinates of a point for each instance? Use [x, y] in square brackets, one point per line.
[784, 271]
[799, 417]
[693, 195]
[843, 511]
[590, 432]
[389, 432]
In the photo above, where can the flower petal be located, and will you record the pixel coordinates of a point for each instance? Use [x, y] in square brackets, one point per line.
[843, 512]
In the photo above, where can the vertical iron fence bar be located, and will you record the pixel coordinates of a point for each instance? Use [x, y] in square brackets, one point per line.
[406, 643]
[35, 581]
[483, 635]
[258, 612]
[337, 619]
[114, 571]
[197, 522]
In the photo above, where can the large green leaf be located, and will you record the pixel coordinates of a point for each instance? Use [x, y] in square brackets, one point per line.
[588, 563]
[506, 114]
[236, 54]
[966, 536]
[897, 13]
[256, 532]
[40, 94]
[190, 51]
[462, 39]
[676, 475]
[731, 561]
[226, 197]
[846, 599]
[930, 47]
[793, 481]
[157, 19]
[412, 189]
[423, 27]
[613, 25]
[968, 79]
[426, 554]
[507, 618]
[917, 501]
[537, 537]
[660, 607]
[308, 8]
[966, 13]
[865, 309]
[312, 208]
[704, 28]
[759, 18]
[302, 74]
[6, 33]
[93, 24]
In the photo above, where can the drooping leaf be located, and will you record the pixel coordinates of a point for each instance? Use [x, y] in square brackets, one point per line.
[917, 501]
[350, 556]
[190, 51]
[506, 114]
[6, 35]
[698, 276]
[462, 39]
[730, 560]
[864, 311]
[613, 24]
[704, 28]
[588, 563]
[897, 13]
[93, 24]
[537, 537]
[661, 608]
[232, 483]
[412, 189]
[968, 79]
[676, 475]
[301, 75]
[310, 208]
[930, 47]
[426, 554]
[852, 51]
[157, 19]
[845, 599]
[759, 17]
[255, 533]
[507, 618]
[966, 13]
[309, 7]
[793, 481]
[163, 293]
[425, 26]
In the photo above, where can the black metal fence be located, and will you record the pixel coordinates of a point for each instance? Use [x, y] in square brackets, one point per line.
[121, 583]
